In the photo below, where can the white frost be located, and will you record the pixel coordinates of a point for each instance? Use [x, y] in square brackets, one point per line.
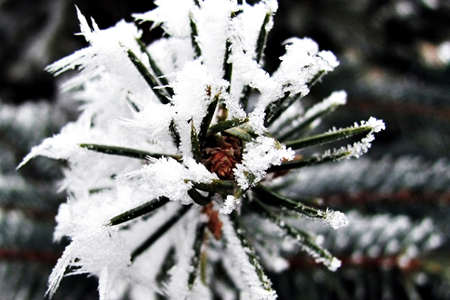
[172, 14]
[229, 205]
[301, 64]
[120, 109]
[257, 158]
[358, 148]
[242, 263]
[335, 219]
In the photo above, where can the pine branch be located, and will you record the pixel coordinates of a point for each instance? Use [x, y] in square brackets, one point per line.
[250, 251]
[271, 198]
[319, 254]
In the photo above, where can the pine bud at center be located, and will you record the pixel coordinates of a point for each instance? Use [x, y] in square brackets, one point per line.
[220, 154]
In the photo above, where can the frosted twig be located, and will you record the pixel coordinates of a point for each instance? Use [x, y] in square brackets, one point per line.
[320, 254]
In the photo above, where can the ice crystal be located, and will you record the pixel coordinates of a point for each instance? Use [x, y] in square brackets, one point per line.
[336, 219]
[258, 156]
[178, 141]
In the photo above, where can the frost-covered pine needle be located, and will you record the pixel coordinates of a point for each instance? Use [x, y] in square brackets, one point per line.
[174, 139]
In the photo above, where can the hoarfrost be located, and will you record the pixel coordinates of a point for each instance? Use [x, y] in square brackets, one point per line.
[167, 177]
[212, 21]
[241, 262]
[172, 14]
[335, 219]
[301, 64]
[177, 287]
[120, 109]
[94, 248]
[358, 148]
[257, 158]
[229, 205]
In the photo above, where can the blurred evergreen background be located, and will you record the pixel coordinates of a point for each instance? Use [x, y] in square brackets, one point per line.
[395, 66]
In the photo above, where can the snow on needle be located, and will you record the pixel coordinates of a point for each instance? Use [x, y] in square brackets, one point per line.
[176, 144]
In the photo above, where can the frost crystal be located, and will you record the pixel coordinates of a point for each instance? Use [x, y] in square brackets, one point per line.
[336, 219]
[258, 157]
[358, 148]
[335, 99]
[176, 145]
[229, 205]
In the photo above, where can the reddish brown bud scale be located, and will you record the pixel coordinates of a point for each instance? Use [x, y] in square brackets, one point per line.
[221, 154]
[214, 224]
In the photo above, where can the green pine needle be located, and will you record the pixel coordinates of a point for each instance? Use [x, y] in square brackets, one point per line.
[138, 211]
[195, 143]
[306, 123]
[155, 68]
[149, 78]
[241, 133]
[197, 197]
[225, 125]
[250, 251]
[206, 122]
[195, 260]
[160, 232]
[194, 34]
[299, 235]
[272, 198]
[308, 162]
[127, 152]
[216, 185]
[328, 137]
